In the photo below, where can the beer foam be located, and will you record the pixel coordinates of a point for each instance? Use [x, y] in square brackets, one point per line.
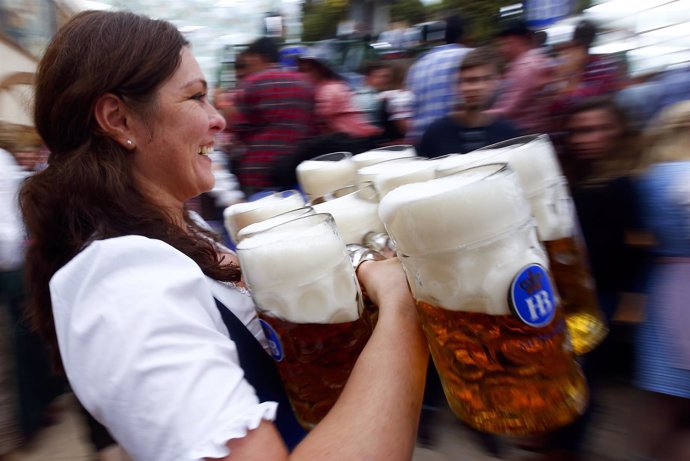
[382, 154]
[300, 273]
[477, 279]
[534, 160]
[532, 157]
[446, 213]
[399, 174]
[320, 177]
[240, 215]
[554, 212]
[354, 216]
[273, 222]
[368, 173]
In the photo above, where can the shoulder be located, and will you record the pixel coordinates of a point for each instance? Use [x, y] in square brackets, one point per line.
[146, 352]
[128, 256]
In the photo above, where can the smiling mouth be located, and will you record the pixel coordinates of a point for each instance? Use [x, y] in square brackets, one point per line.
[205, 150]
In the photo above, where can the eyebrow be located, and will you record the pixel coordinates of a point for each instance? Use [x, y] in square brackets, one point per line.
[194, 82]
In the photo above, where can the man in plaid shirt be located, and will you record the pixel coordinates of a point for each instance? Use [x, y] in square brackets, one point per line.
[433, 80]
[275, 112]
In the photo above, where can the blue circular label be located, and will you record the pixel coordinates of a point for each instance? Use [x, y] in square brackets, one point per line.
[532, 297]
[274, 345]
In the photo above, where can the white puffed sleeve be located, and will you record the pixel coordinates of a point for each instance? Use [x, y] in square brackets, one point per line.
[147, 353]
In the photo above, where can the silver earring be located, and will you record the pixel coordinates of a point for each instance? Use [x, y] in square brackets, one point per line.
[130, 143]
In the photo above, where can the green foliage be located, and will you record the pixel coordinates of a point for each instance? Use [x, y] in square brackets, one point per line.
[412, 11]
[321, 17]
[320, 20]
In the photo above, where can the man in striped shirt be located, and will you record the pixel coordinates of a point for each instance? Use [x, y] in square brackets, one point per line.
[275, 112]
[433, 80]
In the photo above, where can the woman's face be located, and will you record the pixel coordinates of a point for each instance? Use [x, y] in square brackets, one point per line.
[171, 164]
[594, 134]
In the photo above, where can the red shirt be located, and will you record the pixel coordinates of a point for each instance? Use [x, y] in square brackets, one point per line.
[276, 110]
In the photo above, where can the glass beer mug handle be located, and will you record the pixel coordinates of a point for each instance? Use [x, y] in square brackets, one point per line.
[380, 242]
[359, 254]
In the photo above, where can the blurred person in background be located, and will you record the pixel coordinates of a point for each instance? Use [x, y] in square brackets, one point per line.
[469, 127]
[600, 161]
[274, 112]
[11, 258]
[335, 109]
[523, 93]
[581, 75]
[660, 430]
[432, 79]
[394, 107]
[36, 385]
[377, 78]
[154, 328]
[339, 124]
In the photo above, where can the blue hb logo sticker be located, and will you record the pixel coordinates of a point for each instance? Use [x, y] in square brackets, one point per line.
[274, 344]
[532, 297]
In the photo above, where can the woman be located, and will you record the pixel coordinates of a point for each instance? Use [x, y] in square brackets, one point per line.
[335, 110]
[663, 346]
[600, 161]
[143, 305]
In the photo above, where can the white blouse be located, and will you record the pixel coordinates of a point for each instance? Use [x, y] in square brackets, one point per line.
[147, 353]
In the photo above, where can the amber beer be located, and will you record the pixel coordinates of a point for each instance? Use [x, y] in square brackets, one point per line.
[534, 160]
[570, 270]
[302, 281]
[486, 301]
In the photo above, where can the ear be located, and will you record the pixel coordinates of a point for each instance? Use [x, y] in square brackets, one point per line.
[112, 117]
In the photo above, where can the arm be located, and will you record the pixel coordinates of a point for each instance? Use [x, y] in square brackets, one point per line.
[384, 390]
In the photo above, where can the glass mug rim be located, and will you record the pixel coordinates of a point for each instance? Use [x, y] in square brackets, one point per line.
[277, 194]
[300, 212]
[319, 218]
[343, 155]
[346, 191]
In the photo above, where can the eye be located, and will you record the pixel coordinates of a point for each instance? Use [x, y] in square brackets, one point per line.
[201, 96]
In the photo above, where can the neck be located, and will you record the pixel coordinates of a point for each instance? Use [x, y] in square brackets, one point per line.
[470, 116]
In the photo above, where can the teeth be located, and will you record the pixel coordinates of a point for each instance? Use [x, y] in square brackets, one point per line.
[205, 150]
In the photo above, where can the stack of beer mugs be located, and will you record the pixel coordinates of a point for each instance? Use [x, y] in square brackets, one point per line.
[487, 306]
[309, 302]
[534, 160]
[240, 215]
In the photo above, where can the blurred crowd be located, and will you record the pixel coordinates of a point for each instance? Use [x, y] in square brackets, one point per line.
[624, 146]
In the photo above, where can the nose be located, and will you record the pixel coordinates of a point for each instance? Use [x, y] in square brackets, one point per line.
[216, 121]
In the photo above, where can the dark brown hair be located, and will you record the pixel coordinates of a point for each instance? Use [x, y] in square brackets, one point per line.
[482, 56]
[87, 191]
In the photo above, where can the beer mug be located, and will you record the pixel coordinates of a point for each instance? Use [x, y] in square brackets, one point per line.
[326, 173]
[355, 211]
[485, 299]
[242, 214]
[534, 160]
[382, 154]
[274, 221]
[309, 303]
